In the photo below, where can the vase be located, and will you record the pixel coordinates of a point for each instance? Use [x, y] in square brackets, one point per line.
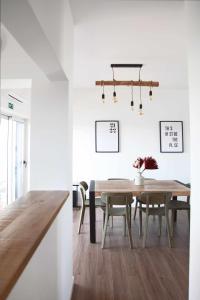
[139, 179]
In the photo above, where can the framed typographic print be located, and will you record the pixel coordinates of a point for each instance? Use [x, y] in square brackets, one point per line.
[171, 136]
[107, 136]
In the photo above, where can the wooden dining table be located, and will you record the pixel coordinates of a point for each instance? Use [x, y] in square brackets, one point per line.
[119, 186]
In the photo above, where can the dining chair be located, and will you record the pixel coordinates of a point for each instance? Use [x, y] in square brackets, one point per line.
[115, 178]
[83, 187]
[175, 205]
[138, 200]
[123, 202]
[162, 200]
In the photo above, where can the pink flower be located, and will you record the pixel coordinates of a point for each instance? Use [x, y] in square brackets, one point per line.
[149, 163]
[138, 163]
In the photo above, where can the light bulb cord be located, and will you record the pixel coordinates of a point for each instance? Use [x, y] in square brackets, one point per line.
[132, 91]
[140, 86]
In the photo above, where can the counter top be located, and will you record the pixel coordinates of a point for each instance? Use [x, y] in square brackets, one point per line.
[23, 225]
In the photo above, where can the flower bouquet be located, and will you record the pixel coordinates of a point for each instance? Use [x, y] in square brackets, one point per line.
[142, 164]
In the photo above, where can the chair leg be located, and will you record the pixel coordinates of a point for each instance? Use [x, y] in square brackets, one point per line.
[104, 216]
[83, 214]
[112, 222]
[130, 213]
[172, 223]
[188, 212]
[124, 225]
[104, 231]
[140, 217]
[146, 228]
[81, 219]
[135, 210]
[168, 227]
[127, 219]
[154, 217]
[160, 225]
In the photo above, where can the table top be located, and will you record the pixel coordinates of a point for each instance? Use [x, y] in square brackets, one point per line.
[23, 225]
[121, 186]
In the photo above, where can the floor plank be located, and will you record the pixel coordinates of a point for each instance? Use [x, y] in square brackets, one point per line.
[119, 273]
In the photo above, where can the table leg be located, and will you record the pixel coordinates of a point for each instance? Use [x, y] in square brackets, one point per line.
[175, 211]
[92, 213]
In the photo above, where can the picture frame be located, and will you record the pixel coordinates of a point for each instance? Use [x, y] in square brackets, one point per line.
[107, 136]
[171, 137]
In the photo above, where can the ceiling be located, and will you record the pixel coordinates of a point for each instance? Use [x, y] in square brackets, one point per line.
[111, 31]
[15, 62]
[149, 32]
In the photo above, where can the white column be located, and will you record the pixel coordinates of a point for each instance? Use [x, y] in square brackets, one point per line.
[193, 10]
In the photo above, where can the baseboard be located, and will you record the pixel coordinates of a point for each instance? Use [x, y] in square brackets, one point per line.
[72, 288]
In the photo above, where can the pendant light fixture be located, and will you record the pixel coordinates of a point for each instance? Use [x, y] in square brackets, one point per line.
[114, 92]
[138, 83]
[150, 94]
[140, 105]
[103, 94]
[132, 101]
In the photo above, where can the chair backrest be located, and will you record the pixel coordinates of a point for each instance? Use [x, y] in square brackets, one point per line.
[84, 184]
[188, 197]
[155, 197]
[117, 198]
[83, 193]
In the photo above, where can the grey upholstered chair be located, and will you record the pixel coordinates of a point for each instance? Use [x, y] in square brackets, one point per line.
[115, 178]
[138, 200]
[123, 202]
[162, 200]
[83, 186]
[176, 205]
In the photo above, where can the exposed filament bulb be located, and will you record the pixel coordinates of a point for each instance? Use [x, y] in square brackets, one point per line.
[114, 96]
[140, 110]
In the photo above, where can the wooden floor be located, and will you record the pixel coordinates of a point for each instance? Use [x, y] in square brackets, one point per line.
[119, 273]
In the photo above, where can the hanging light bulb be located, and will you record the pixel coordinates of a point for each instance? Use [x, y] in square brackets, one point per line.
[140, 106]
[132, 102]
[114, 95]
[103, 94]
[150, 94]
[114, 92]
[132, 105]
[140, 110]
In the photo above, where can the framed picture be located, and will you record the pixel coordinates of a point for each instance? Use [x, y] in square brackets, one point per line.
[107, 136]
[171, 136]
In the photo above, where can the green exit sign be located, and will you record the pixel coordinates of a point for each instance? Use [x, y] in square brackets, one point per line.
[10, 105]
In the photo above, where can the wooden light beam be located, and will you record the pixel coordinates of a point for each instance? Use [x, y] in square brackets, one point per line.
[127, 83]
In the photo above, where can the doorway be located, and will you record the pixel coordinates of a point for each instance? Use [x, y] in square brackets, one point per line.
[12, 159]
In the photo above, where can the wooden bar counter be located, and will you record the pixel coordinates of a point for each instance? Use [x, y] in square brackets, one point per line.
[23, 225]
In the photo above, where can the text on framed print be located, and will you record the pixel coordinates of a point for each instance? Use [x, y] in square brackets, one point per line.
[171, 136]
[107, 136]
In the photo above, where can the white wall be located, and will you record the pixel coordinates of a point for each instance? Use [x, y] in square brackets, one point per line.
[50, 169]
[51, 129]
[139, 135]
[50, 143]
[52, 262]
[194, 95]
[148, 32]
